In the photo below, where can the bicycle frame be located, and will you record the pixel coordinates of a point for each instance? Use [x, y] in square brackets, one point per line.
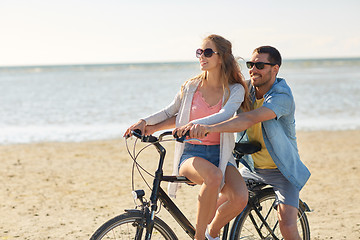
[176, 213]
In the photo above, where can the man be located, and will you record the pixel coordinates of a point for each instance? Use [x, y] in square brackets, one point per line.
[272, 123]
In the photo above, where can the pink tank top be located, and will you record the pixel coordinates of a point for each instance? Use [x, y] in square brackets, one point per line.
[200, 109]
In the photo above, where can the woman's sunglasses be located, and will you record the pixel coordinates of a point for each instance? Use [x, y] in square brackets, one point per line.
[207, 52]
[258, 65]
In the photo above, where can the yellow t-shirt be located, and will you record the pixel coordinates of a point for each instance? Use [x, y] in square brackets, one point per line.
[262, 159]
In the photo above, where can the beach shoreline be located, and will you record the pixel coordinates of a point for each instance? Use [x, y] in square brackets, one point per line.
[57, 190]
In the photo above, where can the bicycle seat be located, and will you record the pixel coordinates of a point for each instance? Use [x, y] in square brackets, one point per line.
[247, 147]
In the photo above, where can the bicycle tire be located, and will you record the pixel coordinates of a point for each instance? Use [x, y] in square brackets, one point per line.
[125, 226]
[244, 228]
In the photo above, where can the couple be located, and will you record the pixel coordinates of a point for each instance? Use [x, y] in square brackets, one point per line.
[206, 105]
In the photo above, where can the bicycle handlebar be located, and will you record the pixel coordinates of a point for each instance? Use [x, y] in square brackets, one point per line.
[152, 139]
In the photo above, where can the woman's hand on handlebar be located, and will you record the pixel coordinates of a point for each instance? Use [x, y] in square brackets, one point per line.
[141, 125]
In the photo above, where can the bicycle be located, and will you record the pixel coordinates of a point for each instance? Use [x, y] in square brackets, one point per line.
[142, 222]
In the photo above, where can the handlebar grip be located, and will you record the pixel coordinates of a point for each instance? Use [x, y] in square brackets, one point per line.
[137, 133]
[150, 138]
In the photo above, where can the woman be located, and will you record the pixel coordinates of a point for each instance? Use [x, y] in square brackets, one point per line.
[211, 97]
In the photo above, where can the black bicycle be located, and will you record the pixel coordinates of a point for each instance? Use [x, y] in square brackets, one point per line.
[257, 221]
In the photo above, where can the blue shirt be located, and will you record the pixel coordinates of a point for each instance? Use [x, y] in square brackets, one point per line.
[279, 134]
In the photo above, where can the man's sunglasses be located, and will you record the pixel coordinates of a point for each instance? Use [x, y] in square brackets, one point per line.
[258, 65]
[207, 52]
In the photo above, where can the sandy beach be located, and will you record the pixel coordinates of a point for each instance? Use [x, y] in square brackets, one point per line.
[67, 190]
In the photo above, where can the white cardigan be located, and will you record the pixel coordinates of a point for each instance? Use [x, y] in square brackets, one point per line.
[181, 106]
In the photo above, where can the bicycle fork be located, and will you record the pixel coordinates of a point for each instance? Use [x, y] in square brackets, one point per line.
[147, 221]
[150, 213]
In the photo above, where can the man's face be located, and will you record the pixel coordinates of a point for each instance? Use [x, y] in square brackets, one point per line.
[261, 77]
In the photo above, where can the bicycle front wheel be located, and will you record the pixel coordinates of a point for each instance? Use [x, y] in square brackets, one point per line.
[249, 225]
[130, 225]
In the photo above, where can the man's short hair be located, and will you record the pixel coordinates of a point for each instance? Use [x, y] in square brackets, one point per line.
[274, 54]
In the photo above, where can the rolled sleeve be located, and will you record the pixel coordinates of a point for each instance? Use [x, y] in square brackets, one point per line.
[281, 103]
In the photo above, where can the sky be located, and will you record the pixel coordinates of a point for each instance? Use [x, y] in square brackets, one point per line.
[52, 32]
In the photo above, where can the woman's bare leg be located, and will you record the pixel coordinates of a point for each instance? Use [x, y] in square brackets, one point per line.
[206, 174]
[233, 200]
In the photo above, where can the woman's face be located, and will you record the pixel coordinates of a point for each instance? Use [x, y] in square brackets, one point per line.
[209, 63]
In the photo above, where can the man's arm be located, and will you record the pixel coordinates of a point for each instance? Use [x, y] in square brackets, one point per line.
[239, 123]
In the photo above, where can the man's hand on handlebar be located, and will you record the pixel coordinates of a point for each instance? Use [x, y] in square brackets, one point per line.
[197, 131]
[181, 131]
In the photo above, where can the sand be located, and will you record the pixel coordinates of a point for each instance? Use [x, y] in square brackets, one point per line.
[67, 190]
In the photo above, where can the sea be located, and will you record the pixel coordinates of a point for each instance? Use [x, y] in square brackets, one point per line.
[73, 103]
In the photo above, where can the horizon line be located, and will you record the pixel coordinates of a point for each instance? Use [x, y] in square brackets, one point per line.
[164, 62]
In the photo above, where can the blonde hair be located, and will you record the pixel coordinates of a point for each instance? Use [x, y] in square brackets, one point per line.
[230, 70]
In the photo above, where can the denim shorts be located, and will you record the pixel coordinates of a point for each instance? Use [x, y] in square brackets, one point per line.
[285, 191]
[207, 152]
